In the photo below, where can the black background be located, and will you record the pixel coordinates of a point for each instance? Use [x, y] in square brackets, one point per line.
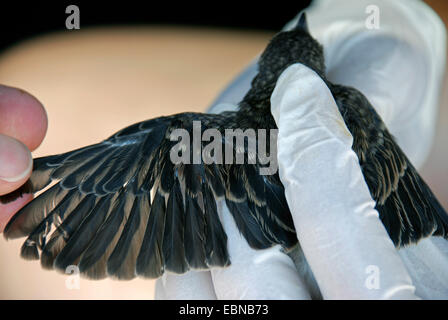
[170, 309]
[22, 20]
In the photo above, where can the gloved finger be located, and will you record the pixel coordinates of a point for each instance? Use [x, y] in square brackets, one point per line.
[427, 263]
[334, 216]
[255, 274]
[194, 285]
[393, 52]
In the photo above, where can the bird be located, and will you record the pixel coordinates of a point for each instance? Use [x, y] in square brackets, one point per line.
[122, 208]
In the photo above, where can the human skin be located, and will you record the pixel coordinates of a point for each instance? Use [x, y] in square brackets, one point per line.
[23, 126]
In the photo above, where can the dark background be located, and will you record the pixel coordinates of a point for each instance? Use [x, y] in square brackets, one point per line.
[22, 20]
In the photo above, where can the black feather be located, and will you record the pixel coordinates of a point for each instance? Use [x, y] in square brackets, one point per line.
[150, 261]
[235, 184]
[74, 178]
[215, 180]
[71, 161]
[167, 176]
[80, 239]
[215, 237]
[194, 235]
[173, 235]
[30, 216]
[122, 261]
[248, 225]
[95, 180]
[105, 235]
[193, 176]
[73, 218]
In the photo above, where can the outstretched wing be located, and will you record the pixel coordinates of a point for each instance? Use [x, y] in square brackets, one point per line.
[407, 207]
[100, 214]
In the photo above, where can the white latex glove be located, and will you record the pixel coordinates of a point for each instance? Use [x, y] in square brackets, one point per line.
[399, 68]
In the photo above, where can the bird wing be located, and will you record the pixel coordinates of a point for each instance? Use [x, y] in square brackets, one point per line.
[407, 207]
[99, 213]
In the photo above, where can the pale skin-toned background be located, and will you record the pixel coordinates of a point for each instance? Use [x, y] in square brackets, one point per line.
[93, 82]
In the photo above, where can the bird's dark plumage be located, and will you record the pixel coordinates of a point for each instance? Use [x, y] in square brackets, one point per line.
[102, 216]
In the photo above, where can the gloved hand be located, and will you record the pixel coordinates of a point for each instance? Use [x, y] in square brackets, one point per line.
[399, 68]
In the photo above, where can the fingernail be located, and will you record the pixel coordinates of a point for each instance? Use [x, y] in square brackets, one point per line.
[15, 160]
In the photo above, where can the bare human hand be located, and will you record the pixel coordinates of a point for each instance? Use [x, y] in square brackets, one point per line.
[23, 124]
